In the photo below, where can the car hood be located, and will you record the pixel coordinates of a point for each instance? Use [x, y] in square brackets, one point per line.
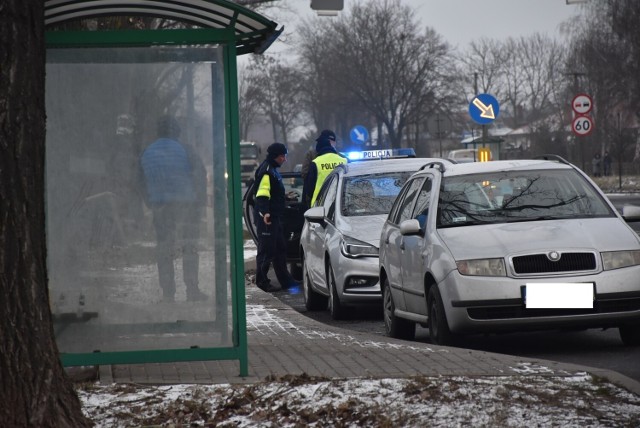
[364, 228]
[500, 240]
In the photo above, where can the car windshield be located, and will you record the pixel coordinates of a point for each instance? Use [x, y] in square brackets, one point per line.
[517, 196]
[371, 194]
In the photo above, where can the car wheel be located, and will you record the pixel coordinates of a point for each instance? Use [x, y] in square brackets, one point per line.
[394, 326]
[312, 300]
[438, 326]
[630, 334]
[336, 308]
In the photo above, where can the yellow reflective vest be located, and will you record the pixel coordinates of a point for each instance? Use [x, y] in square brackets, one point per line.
[325, 164]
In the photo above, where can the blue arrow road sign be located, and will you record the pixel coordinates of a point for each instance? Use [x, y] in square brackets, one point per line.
[484, 109]
[359, 134]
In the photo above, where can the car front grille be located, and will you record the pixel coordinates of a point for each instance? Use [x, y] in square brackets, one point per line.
[540, 263]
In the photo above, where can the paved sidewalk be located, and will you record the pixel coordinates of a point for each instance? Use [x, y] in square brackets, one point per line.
[282, 341]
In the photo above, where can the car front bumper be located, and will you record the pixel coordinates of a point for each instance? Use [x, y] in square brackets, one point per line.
[486, 304]
[357, 280]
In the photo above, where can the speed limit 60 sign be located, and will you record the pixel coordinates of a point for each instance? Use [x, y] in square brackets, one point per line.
[582, 125]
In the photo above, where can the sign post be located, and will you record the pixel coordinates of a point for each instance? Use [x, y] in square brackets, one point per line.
[484, 109]
[582, 123]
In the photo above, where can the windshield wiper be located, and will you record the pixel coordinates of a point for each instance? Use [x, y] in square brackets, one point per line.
[470, 222]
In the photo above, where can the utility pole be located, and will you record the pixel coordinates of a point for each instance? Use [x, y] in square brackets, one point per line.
[439, 132]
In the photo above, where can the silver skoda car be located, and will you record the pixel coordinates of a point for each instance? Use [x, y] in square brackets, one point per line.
[339, 239]
[508, 246]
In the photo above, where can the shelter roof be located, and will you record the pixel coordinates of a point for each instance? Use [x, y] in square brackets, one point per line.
[253, 32]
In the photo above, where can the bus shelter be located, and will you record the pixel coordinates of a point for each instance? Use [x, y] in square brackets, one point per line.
[143, 197]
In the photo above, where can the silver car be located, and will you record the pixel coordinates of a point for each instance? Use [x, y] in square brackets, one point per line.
[339, 239]
[507, 246]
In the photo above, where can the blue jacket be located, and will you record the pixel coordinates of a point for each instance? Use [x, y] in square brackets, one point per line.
[168, 173]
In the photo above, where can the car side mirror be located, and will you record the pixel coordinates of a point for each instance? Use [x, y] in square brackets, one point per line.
[410, 227]
[631, 213]
[315, 215]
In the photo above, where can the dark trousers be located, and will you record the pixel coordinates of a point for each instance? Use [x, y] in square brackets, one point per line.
[272, 248]
[177, 230]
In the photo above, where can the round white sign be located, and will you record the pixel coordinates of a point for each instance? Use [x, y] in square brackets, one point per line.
[582, 125]
[582, 104]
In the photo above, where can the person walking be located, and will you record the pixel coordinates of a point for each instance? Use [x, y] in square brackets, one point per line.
[606, 164]
[268, 211]
[596, 164]
[175, 181]
[327, 158]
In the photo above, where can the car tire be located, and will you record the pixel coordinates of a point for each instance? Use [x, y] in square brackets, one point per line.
[438, 325]
[312, 300]
[336, 308]
[630, 334]
[394, 326]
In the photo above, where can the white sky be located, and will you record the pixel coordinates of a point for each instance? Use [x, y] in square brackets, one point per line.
[461, 21]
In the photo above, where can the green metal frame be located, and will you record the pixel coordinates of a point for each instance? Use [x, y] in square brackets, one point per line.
[233, 45]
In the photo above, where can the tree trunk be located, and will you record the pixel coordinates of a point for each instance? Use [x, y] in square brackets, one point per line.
[34, 390]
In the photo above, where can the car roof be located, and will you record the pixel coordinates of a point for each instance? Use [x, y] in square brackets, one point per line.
[388, 165]
[502, 165]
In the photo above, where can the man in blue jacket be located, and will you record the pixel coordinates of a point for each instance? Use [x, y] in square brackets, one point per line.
[268, 212]
[176, 193]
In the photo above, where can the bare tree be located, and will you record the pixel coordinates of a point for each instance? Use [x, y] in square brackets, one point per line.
[320, 91]
[541, 62]
[378, 55]
[249, 96]
[279, 94]
[482, 64]
[34, 389]
[603, 49]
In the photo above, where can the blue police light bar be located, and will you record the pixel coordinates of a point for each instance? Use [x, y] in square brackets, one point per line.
[381, 154]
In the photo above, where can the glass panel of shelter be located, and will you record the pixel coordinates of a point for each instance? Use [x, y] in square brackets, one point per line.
[126, 223]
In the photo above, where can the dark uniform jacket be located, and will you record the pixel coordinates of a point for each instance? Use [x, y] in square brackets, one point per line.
[270, 195]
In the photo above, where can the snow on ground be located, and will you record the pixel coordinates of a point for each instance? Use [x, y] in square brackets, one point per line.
[529, 400]
[296, 401]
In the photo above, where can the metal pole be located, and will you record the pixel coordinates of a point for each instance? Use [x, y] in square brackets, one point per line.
[575, 75]
[475, 89]
[439, 132]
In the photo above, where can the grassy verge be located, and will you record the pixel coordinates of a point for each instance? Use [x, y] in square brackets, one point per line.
[615, 184]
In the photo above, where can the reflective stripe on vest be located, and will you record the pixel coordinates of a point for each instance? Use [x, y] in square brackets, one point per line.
[325, 164]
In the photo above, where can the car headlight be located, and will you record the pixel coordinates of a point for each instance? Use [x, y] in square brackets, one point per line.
[620, 259]
[482, 267]
[353, 248]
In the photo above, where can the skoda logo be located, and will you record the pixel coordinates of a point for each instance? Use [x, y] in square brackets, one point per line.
[553, 256]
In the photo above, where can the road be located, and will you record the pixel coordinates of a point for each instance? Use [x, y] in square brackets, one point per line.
[594, 348]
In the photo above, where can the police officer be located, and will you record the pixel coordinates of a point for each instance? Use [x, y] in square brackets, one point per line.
[269, 209]
[326, 160]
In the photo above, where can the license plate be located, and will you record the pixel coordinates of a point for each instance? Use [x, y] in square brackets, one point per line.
[559, 295]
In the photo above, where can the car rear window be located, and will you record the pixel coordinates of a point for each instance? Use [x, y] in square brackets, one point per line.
[371, 194]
